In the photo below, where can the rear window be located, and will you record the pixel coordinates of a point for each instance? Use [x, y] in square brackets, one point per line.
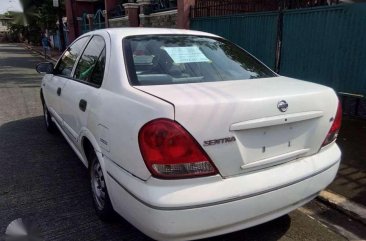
[177, 59]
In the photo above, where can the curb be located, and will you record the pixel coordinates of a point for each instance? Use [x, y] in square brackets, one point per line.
[39, 52]
[344, 205]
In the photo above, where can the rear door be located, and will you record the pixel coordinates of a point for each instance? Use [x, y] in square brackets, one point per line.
[54, 85]
[81, 92]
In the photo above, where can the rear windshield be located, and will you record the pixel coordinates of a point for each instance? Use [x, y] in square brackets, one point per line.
[177, 59]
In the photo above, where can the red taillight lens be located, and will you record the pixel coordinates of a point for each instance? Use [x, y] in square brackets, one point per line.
[169, 151]
[334, 130]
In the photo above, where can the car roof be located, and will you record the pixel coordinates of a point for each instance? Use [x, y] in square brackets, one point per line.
[125, 32]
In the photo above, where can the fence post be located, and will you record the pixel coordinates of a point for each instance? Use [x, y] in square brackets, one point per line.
[279, 36]
[183, 15]
[71, 17]
[133, 10]
[91, 21]
[109, 5]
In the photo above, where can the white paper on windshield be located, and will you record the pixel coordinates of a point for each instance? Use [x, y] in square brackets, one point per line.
[143, 59]
[181, 55]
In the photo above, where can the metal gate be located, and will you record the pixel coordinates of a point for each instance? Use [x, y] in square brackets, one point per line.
[325, 45]
[98, 20]
[256, 32]
[84, 24]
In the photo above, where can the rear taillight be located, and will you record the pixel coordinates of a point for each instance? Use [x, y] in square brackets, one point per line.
[334, 130]
[169, 151]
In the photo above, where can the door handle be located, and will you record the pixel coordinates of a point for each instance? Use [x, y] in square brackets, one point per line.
[82, 105]
[58, 91]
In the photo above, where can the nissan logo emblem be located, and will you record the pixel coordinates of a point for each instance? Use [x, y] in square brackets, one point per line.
[282, 105]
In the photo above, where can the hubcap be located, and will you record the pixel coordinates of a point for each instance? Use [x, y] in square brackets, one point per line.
[98, 185]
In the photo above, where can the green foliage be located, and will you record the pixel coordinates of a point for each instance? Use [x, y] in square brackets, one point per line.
[40, 13]
[37, 16]
[16, 30]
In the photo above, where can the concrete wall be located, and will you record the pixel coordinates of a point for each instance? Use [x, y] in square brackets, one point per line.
[166, 19]
[118, 22]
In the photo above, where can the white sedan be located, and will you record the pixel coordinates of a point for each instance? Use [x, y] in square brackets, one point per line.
[185, 134]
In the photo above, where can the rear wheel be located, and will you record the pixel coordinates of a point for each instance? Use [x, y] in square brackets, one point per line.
[50, 126]
[102, 203]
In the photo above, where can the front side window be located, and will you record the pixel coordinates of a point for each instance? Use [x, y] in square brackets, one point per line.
[64, 67]
[90, 67]
[175, 59]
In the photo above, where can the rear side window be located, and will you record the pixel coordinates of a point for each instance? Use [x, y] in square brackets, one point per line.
[90, 67]
[98, 72]
[174, 59]
[68, 59]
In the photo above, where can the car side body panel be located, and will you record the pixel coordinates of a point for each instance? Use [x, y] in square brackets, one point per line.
[117, 113]
[126, 113]
[50, 86]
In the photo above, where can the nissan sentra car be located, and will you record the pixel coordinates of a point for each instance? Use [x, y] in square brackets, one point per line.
[185, 134]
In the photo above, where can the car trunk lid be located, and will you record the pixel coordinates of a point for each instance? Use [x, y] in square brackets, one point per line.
[244, 126]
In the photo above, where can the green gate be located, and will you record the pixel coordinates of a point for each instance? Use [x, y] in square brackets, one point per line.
[256, 32]
[98, 20]
[325, 45]
[85, 23]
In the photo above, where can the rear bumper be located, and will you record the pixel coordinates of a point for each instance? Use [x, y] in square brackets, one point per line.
[204, 207]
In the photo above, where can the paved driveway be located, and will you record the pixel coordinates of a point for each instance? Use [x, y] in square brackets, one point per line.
[42, 180]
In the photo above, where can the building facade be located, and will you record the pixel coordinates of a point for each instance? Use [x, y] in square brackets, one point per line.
[87, 15]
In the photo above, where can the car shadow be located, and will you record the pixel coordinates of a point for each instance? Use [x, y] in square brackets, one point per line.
[43, 181]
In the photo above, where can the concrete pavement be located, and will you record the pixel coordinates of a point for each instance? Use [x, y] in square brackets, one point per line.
[52, 54]
[351, 178]
[42, 180]
[347, 192]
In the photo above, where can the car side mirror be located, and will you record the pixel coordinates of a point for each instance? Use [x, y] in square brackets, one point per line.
[45, 68]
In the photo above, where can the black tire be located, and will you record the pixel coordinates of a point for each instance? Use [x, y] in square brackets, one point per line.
[101, 200]
[50, 125]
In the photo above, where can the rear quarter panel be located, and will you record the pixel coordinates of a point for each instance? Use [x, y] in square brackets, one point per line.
[120, 117]
[120, 111]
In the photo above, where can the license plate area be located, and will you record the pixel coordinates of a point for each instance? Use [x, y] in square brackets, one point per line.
[267, 143]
